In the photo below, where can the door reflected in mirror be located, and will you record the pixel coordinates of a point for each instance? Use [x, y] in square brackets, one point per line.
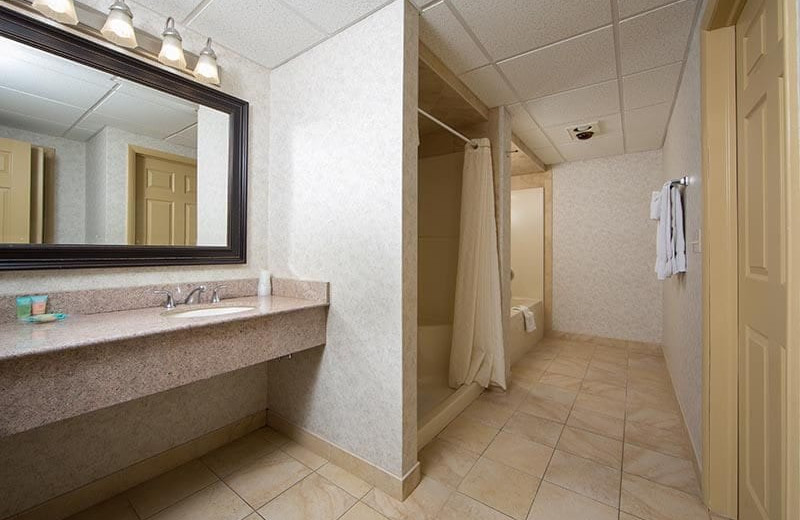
[87, 157]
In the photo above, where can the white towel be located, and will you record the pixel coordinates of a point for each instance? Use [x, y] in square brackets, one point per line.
[655, 205]
[665, 252]
[527, 316]
[678, 238]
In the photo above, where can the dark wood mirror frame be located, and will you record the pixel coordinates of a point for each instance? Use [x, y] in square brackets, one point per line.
[81, 50]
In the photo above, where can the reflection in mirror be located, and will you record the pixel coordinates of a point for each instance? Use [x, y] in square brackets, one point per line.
[90, 158]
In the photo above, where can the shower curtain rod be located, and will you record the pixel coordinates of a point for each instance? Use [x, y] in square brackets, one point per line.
[449, 128]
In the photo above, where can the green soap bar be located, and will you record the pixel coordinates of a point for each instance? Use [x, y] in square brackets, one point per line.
[45, 318]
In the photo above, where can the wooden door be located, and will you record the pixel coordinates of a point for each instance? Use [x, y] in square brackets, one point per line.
[166, 202]
[762, 260]
[15, 192]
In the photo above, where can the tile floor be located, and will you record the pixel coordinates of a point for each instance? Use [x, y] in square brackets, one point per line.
[585, 432]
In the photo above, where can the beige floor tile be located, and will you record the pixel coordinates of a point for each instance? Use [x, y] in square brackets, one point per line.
[592, 446]
[253, 516]
[577, 351]
[362, 511]
[274, 436]
[490, 414]
[505, 489]
[625, 516]
[651, 501]
[511, 398]
[569, 367]
[556, 503]
[609, 364]
[216, 502]
[447, 463]
[591, 403]
[663, 399]
[470, 435]
[549, 402]
[225, 460]
[594, 373]
[263, 479]
[662, 441]
[462, 507]
[304, 455]
[561, 381]
[117, 508]
[314, 498]
[345, 480]
[664, 469]
[519, 453]
[662, 419]
[161, 492]
[585, 477]
[534, 428]
[535, 362]
[604, 390]
[424, 503]
[525, 375]
[597, 423]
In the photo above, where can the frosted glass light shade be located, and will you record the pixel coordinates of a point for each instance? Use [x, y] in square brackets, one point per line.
[172, 47]
[118, 28]
[59, 10]
[207, 70]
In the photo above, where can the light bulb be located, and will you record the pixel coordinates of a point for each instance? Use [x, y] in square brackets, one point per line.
[59, 10]
[172, 47]
[118, 28]
[207, 69]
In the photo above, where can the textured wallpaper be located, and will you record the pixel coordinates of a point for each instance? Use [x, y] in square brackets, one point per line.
[683, 296]
[604, 247]
[336, 213]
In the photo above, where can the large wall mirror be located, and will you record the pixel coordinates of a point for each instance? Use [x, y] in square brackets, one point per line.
[108, 160]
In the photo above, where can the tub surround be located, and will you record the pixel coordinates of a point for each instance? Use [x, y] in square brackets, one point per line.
[54, 371]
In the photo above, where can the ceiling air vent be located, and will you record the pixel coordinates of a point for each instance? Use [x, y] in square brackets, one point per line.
[583, 131]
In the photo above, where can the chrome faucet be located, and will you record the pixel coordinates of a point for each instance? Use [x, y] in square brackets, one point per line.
[190, 298]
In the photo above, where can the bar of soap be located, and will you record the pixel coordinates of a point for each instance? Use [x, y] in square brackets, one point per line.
[45, 318]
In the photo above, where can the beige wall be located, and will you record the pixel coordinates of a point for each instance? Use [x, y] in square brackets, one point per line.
[439, 219]
[527, 243]
[683, 296]
[62, 456]
[604, 247]
[343, 208]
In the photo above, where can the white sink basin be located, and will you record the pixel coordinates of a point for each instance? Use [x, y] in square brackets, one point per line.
[206, 312]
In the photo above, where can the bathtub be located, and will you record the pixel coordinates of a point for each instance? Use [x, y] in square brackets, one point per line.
[521, 342]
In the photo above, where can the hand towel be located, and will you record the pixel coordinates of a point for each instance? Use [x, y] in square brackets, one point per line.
[678, 238]
[527, 316]
[665, 251]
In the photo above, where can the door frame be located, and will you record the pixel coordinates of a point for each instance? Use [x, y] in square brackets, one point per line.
[133, 152]
[720, 243]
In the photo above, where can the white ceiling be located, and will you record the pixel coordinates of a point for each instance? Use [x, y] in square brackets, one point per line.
[560, 63]
[46, 94]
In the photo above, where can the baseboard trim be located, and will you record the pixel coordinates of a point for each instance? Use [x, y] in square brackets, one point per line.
[111, 485]
[642, 347]
[396, 487]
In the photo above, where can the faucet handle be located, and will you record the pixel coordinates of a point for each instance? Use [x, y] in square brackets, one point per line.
[170, 303]
[215, 293]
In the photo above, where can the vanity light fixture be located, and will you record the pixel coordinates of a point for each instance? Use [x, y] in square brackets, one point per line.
[207, 70]
[118, 28]
[172, 47]
[59, 10]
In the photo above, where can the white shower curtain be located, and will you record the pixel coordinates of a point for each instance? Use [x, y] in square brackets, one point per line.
[477, 352]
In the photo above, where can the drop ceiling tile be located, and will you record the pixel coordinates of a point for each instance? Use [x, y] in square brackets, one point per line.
[31, 124]
[520, 118]
[656, 38]
[567, 65]
[651, 87]
[489, 86]
[333, 16]
[533, 137]
[178, 9]
[549, 155]
[157, 116]
[39, 108]
[573, 105]
[593, 149]
[265, 31]
[509, 27]
[80, 134]
[645, 127]
[187, 137]
[631, 7]
[441, 31]
[609, 125]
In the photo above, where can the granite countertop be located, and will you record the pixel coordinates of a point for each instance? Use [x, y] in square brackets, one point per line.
[25, 339]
